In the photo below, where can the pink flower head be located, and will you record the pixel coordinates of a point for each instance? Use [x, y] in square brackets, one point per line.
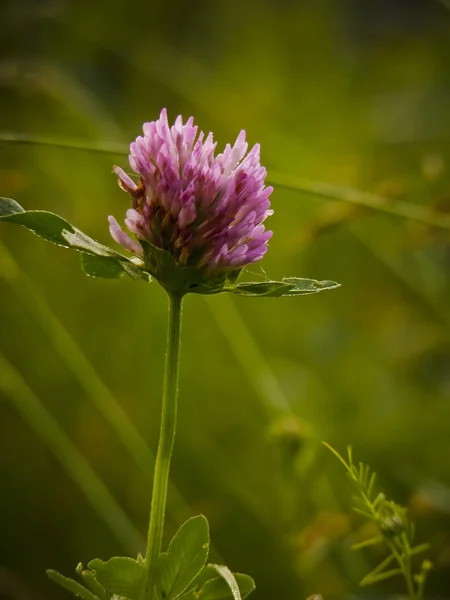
[207, 211]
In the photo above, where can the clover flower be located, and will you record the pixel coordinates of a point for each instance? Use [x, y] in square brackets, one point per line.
[206, 211]
[196, 219]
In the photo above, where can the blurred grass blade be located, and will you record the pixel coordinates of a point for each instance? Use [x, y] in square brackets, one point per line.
[420, 291]
[268, 389]
[364, 199]
[330, 191]
[77, 362]
[250, 357]
[64, 143]
[76, 466]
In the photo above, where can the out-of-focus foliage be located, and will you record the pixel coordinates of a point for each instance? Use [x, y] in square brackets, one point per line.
[351, 93]
[395, 530]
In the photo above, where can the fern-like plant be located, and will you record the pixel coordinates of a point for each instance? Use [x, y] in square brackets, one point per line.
[395, 528]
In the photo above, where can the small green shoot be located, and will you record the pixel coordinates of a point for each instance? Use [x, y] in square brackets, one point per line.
[395, 530]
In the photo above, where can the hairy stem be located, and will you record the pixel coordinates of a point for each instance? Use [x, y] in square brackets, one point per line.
[165, 447]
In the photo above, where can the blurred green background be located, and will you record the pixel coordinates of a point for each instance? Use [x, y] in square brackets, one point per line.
[355, 93]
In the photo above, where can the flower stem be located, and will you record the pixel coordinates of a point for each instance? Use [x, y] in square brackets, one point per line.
[165, 447]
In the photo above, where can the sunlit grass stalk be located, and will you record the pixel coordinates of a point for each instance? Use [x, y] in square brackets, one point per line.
[165, 446]
[369, 200]
[64, 143]
[77, 467]
[414, 285]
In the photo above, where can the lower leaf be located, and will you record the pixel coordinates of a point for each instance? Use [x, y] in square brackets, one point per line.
[225, 587]
[380, 577]
[88, 578]
[71, 585]
[220, 589]
[119, 575]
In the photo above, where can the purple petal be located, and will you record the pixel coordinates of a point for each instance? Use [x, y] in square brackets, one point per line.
[122, 238]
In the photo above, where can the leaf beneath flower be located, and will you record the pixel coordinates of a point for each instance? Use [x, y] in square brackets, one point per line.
[289, 286]
[97, 260]
[108, 267]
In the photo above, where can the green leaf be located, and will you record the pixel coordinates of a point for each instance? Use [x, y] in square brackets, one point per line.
[371, 484]
[109, 267]
[90, 581]
[370, 542]
[377, 571]
[289, 286]
[8, 206]
[380, 577]
[208, 572]
[363, 513]
[338, 456]
[51, 227]
[184, 559]
[270, 289]
[97, 260]
[119, 575]
[350, 455]
[227, 586]
[106, 267]
[418, 549]
[213, 587]
[71, 586]
[380, 499]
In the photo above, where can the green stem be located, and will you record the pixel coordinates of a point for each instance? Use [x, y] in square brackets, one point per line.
[404, 562]
[165, 447]
[409, 578]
